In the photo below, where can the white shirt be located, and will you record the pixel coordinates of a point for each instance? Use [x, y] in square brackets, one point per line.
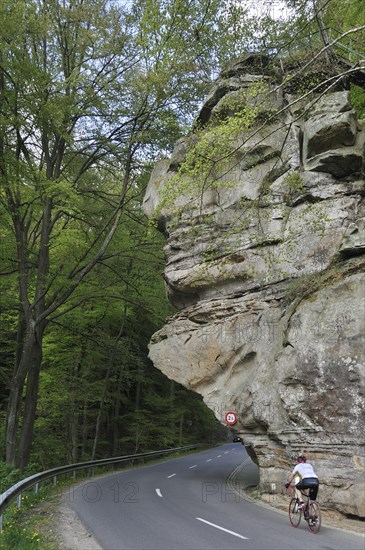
[304, 470]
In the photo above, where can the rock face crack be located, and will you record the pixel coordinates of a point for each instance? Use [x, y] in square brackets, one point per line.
[268, 275]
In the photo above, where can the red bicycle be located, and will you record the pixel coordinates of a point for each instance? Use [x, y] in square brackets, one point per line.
[311, 512]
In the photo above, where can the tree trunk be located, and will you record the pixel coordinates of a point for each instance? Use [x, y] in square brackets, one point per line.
[20, 337]
[26, 372]
[74, 433]
[85, 430]
[318, 7]
[16, 389]
[109, 371]
[181, 426]
[117, 412]
[74, 416]
[172, 407]
[137, 407]
[106, 384]
[31, 399]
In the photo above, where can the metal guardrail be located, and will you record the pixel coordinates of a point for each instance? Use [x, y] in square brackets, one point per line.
[346, 47]
[15, 492]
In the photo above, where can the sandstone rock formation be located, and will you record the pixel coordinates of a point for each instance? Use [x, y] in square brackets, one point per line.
[269, 278]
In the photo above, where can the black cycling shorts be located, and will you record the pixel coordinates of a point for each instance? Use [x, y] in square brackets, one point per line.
[310, 483]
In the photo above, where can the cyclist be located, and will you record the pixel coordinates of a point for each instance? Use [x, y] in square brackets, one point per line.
[308, 479]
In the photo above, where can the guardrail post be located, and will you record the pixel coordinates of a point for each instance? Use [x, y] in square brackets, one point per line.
[1, 522]
[74, 474]
[19, 500]
[36, 488]
[54, 481]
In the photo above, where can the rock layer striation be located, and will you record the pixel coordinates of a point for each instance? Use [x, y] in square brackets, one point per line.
[268, 275]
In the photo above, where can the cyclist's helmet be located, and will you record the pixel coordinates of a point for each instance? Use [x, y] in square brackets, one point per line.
[301, 458]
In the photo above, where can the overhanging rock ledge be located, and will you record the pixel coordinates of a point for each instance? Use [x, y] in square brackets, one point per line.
[269, 281]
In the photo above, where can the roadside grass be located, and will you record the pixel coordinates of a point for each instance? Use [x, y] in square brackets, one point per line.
[25, 527]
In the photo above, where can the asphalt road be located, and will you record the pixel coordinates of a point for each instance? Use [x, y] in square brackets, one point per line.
[188, 503]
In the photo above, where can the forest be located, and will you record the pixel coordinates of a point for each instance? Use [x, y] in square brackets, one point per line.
[92, 94]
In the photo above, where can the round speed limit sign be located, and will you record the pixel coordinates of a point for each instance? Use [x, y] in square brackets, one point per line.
[231, 418]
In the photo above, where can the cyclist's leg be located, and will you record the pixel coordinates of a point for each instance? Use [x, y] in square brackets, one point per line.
[313, 491]
[314, 517]
[298, 491]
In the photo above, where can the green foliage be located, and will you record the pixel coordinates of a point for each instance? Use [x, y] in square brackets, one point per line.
[8, 476]
[344, 15]
[293, 186]
[294, 183]
[358, 100]
[88, 92]
[20, 530]
[19, 538]
[303, 83]
[211, 151]
[22, 525]
[82, 346]
[261, 27]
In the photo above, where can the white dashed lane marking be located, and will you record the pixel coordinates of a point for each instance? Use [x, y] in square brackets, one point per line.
[191, 467]
[159, 493]
[222, 528]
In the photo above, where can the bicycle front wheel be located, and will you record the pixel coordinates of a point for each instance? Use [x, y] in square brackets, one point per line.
[295, 513]
[314, 517]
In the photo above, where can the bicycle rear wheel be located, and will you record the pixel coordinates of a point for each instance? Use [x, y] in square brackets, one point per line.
[314, 517]
[295, 513]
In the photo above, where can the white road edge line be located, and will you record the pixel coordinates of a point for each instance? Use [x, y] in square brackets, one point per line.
[159, 493]
[172, 475]
[222, 529]
[190, 467]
